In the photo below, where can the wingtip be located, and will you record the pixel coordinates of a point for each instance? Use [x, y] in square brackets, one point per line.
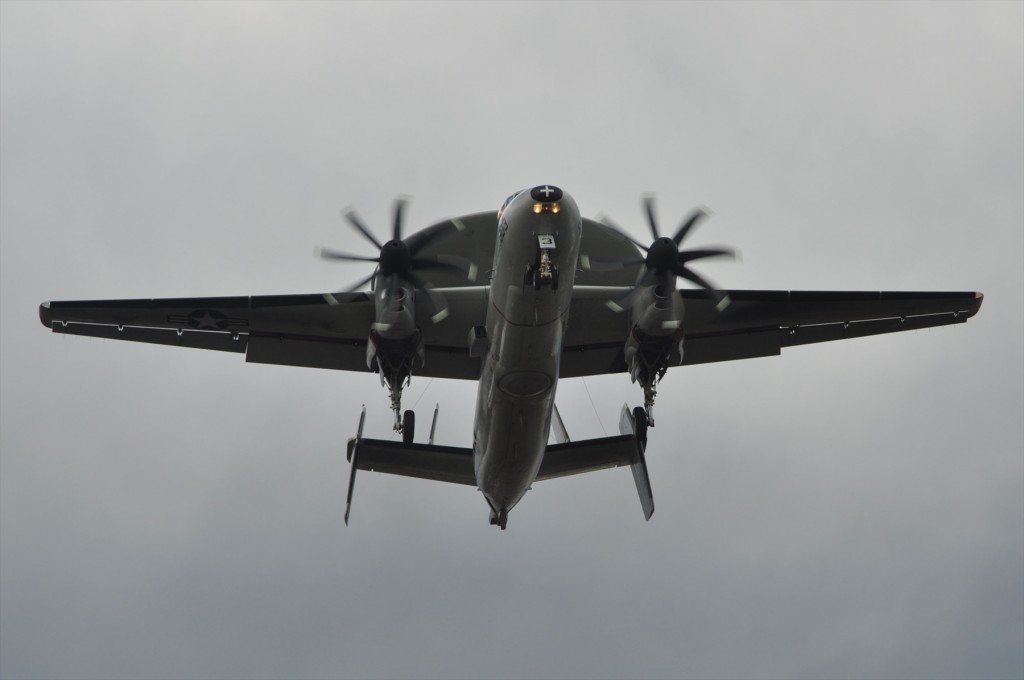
[45, 315]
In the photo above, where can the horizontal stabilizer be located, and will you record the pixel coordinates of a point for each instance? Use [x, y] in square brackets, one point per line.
[425, 461]
[454, 464]
[587, 455]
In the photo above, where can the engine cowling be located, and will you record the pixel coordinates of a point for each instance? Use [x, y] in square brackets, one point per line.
[658, 311]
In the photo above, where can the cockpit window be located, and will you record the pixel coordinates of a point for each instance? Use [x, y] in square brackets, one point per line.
[501, 211]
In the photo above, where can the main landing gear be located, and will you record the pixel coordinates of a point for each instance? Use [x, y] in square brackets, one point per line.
[641, 421]
[408, 426]
[394, 360]
[648, 358]
[406, 423]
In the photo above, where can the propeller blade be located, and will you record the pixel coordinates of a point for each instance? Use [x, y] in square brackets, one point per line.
[354, 219]
[723, 299]
[396, 233]
[646, 279]
[651, 219]
[437, 300]
[421, 239]
[685, 272]
[688, 224]
[356, 286]
[611, 224]
[691, 255]
[328, 254]
[464, 264]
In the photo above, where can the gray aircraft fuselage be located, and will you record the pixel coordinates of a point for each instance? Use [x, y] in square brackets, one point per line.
[526, 319]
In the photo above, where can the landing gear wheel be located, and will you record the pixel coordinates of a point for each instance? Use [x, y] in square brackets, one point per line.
[408, 427]
[640, 424]
[499, 518]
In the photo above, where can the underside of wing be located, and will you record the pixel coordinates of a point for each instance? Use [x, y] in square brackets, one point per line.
[756, 323]
[315, 330]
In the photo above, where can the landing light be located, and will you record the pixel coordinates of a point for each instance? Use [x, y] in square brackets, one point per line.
[538, 208]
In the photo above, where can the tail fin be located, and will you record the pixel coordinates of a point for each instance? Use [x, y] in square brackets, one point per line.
[635, 423]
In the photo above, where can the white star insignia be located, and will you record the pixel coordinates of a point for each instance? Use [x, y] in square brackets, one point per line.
[207, 320]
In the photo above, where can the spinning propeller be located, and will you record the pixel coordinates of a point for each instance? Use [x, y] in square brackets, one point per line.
[399, 260]
[663, 257]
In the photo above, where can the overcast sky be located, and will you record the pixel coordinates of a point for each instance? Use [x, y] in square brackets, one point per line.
[848, 510]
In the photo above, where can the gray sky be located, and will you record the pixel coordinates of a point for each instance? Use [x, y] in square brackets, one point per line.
[853, 509]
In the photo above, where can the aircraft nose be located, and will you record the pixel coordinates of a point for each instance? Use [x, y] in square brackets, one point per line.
[547, 193]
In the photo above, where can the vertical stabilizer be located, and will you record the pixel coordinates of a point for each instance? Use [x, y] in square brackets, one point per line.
[635, 423]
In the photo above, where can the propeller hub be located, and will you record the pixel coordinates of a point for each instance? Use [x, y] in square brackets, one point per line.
[662, 255]
[395, 258]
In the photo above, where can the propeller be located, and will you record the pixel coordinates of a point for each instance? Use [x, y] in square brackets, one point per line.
[664, 256]
[399, 260]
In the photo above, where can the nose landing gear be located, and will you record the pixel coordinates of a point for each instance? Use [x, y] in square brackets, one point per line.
[543, 272]
[499, 518]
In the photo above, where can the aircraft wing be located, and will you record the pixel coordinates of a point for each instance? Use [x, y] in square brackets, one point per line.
[315, 330]
[330, 330]
[756, 323]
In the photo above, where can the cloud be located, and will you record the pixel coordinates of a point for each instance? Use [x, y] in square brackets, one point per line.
[843, 510]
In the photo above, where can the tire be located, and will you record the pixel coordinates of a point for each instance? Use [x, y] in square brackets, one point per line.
[640, 424]
[408, 427]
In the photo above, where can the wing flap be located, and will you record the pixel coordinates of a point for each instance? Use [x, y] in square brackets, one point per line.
[350, 355]
[283, 350]
[705, 349]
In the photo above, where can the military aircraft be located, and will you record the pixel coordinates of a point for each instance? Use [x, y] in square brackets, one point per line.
[514, 300]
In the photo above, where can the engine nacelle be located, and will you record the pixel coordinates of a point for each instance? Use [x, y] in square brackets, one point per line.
[394, 357]
[395, 314]
[395, 346]
[658, 311]
[649, 356]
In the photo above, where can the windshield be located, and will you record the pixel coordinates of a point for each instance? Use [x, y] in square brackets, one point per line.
[501, 211]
